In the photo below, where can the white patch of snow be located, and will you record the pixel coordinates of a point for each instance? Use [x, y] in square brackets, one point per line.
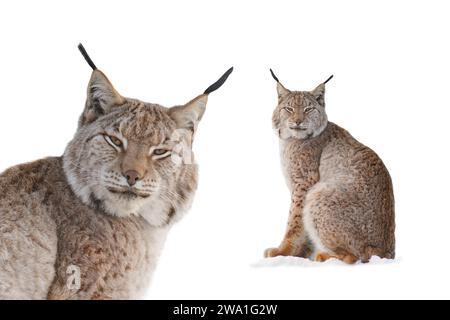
[302, 262]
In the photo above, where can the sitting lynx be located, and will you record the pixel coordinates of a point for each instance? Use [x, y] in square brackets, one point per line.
[91, 224]
[342, 200]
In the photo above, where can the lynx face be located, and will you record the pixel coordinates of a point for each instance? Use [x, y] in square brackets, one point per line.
[299, 114]
[128, 156]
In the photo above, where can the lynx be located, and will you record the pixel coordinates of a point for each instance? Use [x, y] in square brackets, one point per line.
[342, 202]
[91, 224]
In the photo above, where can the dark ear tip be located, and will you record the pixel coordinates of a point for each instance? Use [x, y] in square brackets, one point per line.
[274, 76]
[331, 77]
[216, 85]
[228, 72]
[86, 56]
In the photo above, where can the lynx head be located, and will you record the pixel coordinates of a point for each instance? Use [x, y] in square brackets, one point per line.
[299, 114]
[131, 157]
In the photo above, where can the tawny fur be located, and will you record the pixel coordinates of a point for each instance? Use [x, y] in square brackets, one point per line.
[342, 198]
[78, 213]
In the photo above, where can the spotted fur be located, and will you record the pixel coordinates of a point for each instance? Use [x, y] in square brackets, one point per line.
[342, 198]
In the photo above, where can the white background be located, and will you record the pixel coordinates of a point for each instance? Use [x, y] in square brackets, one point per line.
[391, 65]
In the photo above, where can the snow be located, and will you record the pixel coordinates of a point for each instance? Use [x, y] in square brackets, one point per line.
[306, 263]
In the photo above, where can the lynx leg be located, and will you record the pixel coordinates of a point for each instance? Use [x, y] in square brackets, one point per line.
[295, 242]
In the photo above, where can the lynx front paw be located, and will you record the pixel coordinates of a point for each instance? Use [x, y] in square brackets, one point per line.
[272, 252]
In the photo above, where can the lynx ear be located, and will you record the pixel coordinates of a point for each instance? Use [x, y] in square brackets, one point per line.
[189, 115]
[281, 90]
[319, 92]
[101, 97]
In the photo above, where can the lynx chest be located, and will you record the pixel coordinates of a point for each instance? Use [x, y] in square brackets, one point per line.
[299, 162]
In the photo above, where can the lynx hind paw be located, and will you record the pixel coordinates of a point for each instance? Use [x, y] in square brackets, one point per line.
[272, 252]
[322, 257]
[347, 258]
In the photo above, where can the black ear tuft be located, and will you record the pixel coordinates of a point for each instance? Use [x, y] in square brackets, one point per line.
[274, 76]
[86, 56]
[216, 85]
[331, 77]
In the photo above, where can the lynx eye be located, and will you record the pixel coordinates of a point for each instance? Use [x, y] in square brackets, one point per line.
[161, 153]
[308, 109]
[114, 141]
[289, 109]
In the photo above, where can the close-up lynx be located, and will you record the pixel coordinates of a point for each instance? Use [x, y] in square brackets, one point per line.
[91, 224]
[342, 201]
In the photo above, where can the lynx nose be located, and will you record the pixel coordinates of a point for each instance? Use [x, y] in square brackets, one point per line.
[132, 177]
[295, 124]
